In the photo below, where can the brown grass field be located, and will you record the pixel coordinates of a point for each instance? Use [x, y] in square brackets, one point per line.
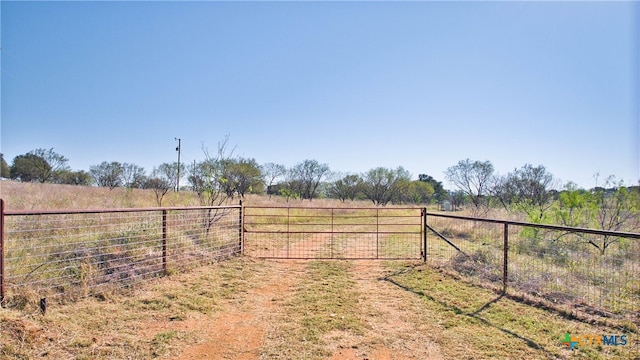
[247, 308]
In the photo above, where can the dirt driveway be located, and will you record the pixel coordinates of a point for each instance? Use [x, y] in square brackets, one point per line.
[254, 324]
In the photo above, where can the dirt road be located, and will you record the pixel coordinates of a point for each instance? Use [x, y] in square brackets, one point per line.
[251, 325]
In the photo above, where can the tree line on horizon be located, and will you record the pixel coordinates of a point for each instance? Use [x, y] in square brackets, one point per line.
[529, 190]
[233, 176]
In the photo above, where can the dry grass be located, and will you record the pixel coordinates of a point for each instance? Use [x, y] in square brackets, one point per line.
[122, 325]
[466, 321]
[326, 307]
[35, 196]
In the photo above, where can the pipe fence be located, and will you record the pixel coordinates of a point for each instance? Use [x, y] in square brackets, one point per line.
[76, 253]
[580, 271]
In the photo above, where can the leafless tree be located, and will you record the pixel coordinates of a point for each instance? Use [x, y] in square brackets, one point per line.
[271, 172]
[133, 176]
[162, 180]
[107, 174]
[305, 177]
[528, 189]
[473, 178]
[208, 180]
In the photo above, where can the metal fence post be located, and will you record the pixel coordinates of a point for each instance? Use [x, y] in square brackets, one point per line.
[1, 251]
[505, 264]
[331, 243]
[377, 233]
[164, 241]
[240, 227]
[424, 234]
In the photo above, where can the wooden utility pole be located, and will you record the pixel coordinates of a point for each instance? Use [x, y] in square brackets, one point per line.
[178, 149]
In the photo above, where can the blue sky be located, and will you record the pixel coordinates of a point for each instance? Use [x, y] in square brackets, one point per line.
[355, 85]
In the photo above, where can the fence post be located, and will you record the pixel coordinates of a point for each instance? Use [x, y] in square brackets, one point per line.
[377, 232]
[331, 242]
[505, 264]
[1, 251]
[424, 234]
[240, 227]
[164, 241]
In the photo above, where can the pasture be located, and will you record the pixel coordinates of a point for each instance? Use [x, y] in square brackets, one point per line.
[246, 307]
[289, 309]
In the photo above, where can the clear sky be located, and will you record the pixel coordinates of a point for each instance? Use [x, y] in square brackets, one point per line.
[355, 85]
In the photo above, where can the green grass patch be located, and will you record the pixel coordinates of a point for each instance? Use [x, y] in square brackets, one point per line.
[480, 324]
[327, 301]
[324, 302]
[163, 342]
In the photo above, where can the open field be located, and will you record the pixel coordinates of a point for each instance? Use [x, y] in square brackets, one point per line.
[265, 309]
[247, 308]
[36, 196]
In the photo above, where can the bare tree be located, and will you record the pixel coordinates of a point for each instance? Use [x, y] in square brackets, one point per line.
[133, 176]
[528, 189]
[271, 172]
[107, 174]
[162, 180]
[473, 178]
[306, 176]
[160, 187]
[208, 180]
[504, 191]
[617, 210]
[207, 177]
[533, 187]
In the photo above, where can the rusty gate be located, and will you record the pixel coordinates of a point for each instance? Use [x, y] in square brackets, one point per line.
[334, 233]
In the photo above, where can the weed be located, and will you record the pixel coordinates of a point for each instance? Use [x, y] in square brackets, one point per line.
[162, 340]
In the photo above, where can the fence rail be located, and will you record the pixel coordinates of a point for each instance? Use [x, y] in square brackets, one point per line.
[74, 253]
[588, 271]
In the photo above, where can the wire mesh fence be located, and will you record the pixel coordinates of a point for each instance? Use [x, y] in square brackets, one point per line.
[580, 271]
[71, 254]
[333, 233]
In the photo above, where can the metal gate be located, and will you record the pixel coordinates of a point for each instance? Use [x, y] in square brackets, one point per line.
[334, 233]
